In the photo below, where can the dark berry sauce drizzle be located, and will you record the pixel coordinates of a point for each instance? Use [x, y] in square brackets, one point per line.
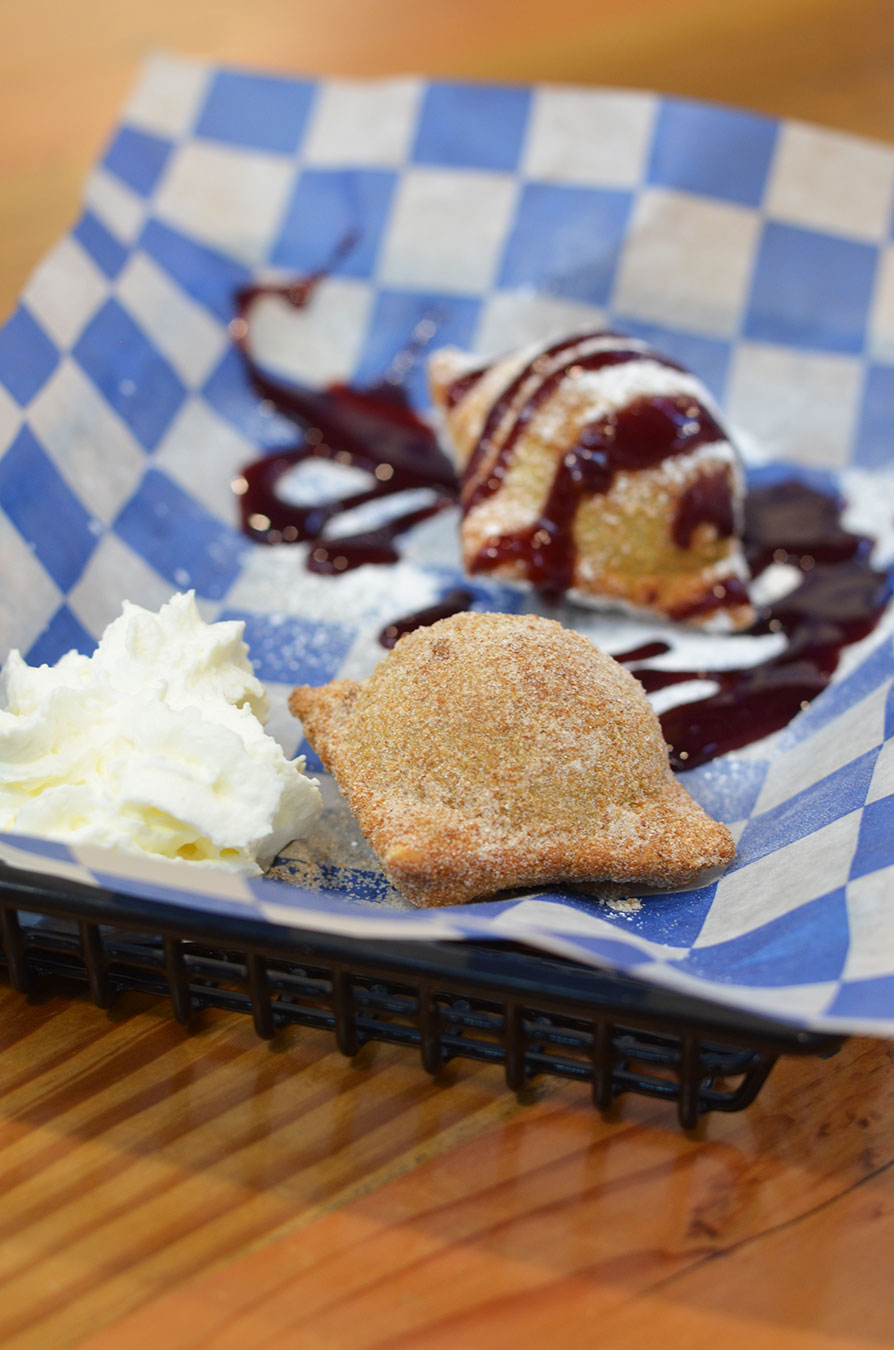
[373, 429]
[454, 602]
[840, 599]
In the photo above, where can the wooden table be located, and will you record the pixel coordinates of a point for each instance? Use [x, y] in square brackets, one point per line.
[165, 1189]
[210, 1190]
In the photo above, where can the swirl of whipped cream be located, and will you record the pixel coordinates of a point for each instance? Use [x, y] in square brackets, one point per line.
[154, 744]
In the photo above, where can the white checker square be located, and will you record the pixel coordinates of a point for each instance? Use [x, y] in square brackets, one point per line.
[778, 1000]
[28, 597]
[595, 137]
[447, 229]
[121, 210]
[687, 262]
[859, 729]
[65, 291]
[793, 405]
[367, 122]
[870, 917]
[827, 180]
[559, 925]
[275, 581]
[203, 453]
[230, 198]
[186, 334]
[166, 872]
[882, 784]
[881, 318]
[780, 882]
[115, 574]
[315, 345]
[87, 440]
[787, 1000]
[168, 95]
[68, 869]
[512, 319]
[10, 421]
[379, 923]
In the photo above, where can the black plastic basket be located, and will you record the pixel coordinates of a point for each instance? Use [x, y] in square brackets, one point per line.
[533, 1014]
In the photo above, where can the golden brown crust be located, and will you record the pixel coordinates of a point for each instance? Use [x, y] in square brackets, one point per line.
[493, 751]
[624, 545]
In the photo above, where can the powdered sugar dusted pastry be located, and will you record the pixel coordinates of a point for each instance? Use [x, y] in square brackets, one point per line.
[493, 751]
[593, 465]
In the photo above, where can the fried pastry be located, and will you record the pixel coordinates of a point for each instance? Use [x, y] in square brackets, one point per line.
[493, 751]
[595, 466]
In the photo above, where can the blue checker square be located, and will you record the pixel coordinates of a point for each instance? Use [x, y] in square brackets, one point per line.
[107, 252]
[263, 112]
[312, 761]
[773, 954]
[27, 356]
[290, 649]
[712, 151]
[45, 511]
[229, 391]
[41, 848]
[811, 290]
[180, 539]
[130, 372]
[138, 159]
[472, 126]
[329, 206]
[396, 318]
[64, 633]
[875, 437]
[566, 241]
[210, 278]
[864, 998]
[729, 794]
[874, 842]
[675, 920]
[819, 805]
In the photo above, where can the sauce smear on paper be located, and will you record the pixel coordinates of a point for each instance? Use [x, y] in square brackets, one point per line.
[839, 600]
[372, 429]
[454, 602]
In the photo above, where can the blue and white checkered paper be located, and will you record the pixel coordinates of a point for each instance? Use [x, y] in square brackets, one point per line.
[760, 253]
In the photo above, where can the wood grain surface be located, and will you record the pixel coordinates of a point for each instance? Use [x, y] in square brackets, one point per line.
[159, 1188]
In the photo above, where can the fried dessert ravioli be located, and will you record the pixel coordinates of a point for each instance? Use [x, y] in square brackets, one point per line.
[595, 466]
[492, 751]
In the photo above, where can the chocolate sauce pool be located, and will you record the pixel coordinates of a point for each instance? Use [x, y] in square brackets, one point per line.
[839, 600]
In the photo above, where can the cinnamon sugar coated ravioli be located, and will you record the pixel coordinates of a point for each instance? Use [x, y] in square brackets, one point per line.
[594, 466]
[493, 751]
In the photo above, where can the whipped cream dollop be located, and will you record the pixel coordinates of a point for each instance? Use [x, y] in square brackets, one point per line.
[153, 744]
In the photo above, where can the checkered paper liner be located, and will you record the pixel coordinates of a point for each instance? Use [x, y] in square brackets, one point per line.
[757, 252]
